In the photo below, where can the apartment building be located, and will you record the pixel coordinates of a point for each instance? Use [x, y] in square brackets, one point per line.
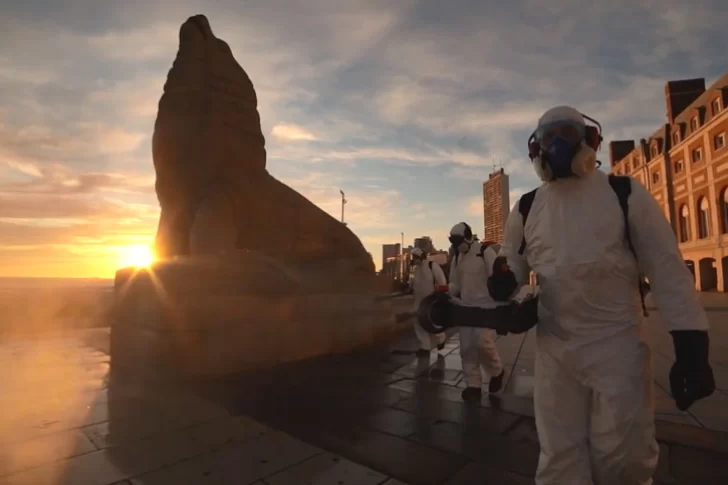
[425, 243]
[390, 259]
[496, 205]
[684, 164]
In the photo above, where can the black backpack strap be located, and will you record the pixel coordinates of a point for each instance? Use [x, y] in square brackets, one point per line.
[481, 252]
[524, 207]
[434, 281]
[622, 186]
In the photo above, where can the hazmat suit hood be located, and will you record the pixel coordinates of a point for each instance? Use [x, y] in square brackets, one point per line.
[584, 158]
[418, 254]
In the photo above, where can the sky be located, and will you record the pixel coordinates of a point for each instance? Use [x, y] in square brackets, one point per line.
[405, 105]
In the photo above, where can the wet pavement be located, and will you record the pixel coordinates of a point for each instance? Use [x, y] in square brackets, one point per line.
[711, 300]
[378, 416]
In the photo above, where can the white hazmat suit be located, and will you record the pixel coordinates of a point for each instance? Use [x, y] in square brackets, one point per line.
[594, 394]
[427, 276]
[469, 274]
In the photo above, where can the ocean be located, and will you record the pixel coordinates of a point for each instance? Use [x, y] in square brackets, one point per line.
[14, 283]
[36, 306]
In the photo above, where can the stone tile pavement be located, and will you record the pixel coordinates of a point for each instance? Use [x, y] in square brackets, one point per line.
[378, 416]
[711, 300]
[403, 416]
[65, 420]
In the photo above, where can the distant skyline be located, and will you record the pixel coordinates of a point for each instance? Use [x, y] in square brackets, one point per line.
[404, 105]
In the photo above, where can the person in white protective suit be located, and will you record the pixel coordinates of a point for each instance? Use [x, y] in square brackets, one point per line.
[594, 396]
[428, 275]
[469, 271]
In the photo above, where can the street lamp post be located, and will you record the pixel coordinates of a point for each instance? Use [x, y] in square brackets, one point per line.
[401, 259]
[343, 202]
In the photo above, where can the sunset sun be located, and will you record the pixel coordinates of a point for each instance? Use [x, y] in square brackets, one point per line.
[138, 255]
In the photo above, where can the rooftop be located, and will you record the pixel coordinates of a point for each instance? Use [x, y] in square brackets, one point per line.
[682, 119]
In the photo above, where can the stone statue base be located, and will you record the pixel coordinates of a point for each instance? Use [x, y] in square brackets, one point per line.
[221, 315]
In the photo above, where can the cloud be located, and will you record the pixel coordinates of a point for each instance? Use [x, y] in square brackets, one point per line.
[83, 241]
[475, 206]
[365, 209]
[154, 42]
[134, 98]
[57, 220]
[515, 194]
[461, 172]
[405, 101]
[80, 143]
[24, 168]
[405, 105]
[287, 132]
[59, 180]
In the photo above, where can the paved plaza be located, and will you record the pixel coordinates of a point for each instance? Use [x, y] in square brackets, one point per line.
[375, 417]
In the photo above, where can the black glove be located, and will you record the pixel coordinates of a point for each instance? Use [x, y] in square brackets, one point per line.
[522, 316]
[691, 377]
[502, 282]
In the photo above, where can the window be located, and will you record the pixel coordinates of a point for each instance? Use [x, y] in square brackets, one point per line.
[627, 167]
[655, 177]
[636, 162]
[703, 218]
[684, 223]
[719, 141]
[715, 106]
[653, 151]
[675, 138]
[679, 167]
[724, 209]
[697, 154]
[694, 123]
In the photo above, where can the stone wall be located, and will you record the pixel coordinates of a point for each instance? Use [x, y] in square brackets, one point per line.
[214, 316]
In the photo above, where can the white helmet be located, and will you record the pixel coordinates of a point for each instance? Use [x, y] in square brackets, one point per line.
[561, 113]
[563, 145]
[418, 253]
[460, 233]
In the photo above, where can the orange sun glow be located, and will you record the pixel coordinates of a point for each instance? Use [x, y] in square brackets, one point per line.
[137, 255]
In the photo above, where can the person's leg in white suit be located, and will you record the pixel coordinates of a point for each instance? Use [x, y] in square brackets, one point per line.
[478, 351]
[561, 405]
[622, 434]
[596, 427]
[427, 340]
[489, 357]
[422, 336]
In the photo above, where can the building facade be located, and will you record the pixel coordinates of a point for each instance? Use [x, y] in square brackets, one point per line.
[684, 164]
[439, 257]
[496, 205]
[406, 268]
[425, 244]
[390, 259]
